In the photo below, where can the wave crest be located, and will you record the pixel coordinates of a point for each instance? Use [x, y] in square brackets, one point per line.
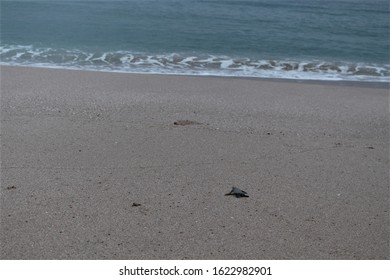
[126, 61]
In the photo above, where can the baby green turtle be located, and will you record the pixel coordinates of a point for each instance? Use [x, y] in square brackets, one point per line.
[238, 193]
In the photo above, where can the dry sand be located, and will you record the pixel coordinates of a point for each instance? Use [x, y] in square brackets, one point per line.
[93, 167]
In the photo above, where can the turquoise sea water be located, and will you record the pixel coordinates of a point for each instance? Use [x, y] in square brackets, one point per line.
[306, 39]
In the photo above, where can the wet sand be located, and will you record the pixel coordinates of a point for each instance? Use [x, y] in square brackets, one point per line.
[129, 166]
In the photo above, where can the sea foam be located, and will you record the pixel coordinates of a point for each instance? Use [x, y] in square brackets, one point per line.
[133, 62]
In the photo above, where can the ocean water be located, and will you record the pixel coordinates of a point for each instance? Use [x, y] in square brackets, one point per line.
[297, 39]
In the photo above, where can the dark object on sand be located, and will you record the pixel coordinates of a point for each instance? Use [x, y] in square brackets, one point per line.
[185, 122]
[238, 193]
[135, 204]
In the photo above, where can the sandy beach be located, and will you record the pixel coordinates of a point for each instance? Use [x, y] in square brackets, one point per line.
[128, 166]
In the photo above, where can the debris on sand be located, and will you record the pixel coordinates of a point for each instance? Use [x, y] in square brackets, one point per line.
[185, 122]
[237, 193]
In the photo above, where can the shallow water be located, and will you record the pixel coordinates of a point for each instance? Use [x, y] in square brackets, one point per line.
[307, 39]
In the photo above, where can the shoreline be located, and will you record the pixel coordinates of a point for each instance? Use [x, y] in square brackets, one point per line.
[103, 165]
[373, 84]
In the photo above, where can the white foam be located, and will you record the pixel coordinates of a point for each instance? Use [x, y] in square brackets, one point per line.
[174, 63]
[226, 63]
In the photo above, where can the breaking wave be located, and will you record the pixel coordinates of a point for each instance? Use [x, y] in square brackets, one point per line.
[126, 61]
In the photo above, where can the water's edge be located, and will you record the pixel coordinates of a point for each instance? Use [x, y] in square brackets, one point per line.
[365, 84]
